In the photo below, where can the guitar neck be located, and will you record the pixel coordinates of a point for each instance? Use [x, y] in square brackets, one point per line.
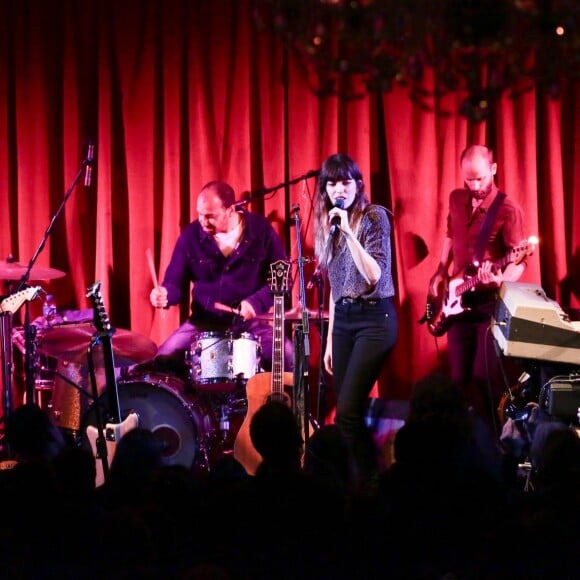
[473, 282]
[105, 333]
[278, 349]
[111, 379]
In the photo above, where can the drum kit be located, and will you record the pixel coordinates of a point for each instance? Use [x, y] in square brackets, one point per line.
[195, 408]
[194, 413]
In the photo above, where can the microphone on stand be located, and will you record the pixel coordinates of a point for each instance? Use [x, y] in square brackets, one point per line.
[315, 279]
[240, 204]
[89, 163]
[335, 222]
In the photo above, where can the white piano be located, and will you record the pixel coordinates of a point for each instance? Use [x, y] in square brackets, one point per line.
[528, 324]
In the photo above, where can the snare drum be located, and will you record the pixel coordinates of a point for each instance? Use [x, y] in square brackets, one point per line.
[220, 361]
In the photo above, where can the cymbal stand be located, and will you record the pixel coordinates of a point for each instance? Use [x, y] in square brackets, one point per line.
[6, 345]
[29, 356]
[302, 339]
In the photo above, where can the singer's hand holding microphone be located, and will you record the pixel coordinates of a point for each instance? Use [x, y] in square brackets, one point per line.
[336, 216]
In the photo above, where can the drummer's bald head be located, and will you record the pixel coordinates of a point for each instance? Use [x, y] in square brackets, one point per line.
[221, 189]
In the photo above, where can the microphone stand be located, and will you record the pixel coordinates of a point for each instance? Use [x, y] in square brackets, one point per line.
[321, 389]
[259, 195]
[85, 164]
[302, 340]
[6, 317]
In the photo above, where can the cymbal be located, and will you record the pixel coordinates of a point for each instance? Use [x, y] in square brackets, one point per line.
[70, 342]
[15, 271]
[294, 315]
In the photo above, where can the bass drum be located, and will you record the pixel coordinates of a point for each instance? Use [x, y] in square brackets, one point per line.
[164, 408]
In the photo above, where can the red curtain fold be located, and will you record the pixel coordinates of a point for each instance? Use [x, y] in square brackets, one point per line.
[178, 93]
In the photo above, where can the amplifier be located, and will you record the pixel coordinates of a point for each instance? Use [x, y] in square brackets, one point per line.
[563, 397]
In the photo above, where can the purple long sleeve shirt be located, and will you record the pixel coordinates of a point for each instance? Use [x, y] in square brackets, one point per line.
[243, 275]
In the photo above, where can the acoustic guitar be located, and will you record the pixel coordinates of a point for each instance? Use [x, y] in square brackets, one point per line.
[115, 428]
[264, 387]
[443, 309]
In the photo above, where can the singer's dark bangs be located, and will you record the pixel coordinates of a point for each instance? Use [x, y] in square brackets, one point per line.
[338, 172]
[340, 167]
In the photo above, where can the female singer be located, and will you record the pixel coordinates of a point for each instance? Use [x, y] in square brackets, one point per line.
[352, 244]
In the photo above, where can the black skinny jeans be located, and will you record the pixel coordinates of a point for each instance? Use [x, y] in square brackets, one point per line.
[363, 334]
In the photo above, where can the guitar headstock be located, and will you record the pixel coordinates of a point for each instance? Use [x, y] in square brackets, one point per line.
[15, 301]
[101, 317]
[523, 249]
[279, 277]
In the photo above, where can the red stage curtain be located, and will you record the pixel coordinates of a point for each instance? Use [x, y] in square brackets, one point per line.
[179, 93]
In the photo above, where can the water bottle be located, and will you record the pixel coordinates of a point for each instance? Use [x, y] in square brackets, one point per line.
[49, 311]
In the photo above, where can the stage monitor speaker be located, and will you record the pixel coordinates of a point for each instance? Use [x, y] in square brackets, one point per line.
[563, 397]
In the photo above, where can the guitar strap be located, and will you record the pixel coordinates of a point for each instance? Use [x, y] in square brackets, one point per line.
[486, 226]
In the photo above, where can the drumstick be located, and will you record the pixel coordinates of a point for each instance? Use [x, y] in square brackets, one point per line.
[225, 308]
[151, 264]
[149, 255]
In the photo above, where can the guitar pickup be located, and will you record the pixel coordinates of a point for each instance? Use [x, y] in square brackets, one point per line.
[111, 433]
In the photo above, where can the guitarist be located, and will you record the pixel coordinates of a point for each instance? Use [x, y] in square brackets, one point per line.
[482, 226]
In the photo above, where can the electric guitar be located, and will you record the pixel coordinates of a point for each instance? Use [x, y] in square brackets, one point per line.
[15, 301]
[263, 387]
[104, 451]
[441, 310]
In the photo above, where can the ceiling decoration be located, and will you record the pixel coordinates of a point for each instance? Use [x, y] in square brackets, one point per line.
[479, 48]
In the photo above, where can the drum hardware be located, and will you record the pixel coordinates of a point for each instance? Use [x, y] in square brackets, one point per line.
[29, 365]
[29, 358]
[224, 420]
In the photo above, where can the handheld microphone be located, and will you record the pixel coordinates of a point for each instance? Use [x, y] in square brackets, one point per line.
[89, 163]
[335, 222]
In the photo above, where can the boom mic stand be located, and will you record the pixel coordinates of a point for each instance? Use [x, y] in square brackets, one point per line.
[260, 194]
[302, 340]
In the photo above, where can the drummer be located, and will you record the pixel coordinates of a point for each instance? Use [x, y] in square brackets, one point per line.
[225, 255]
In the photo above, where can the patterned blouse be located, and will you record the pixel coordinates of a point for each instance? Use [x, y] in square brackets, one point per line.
[375, 236]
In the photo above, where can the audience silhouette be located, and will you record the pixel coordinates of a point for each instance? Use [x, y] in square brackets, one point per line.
[442, 508]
